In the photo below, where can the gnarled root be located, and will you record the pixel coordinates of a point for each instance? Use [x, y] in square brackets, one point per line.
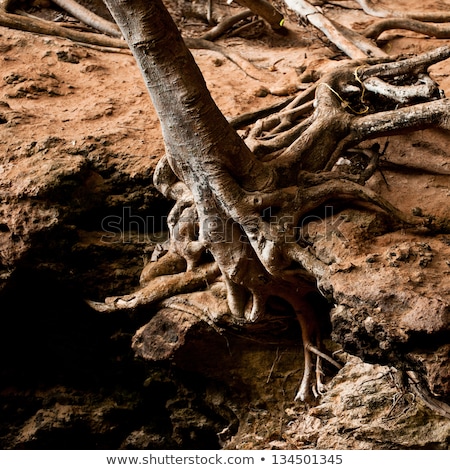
[160, 288]
[346, 110]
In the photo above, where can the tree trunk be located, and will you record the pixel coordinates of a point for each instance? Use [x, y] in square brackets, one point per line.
[195, 132]
[202, 149]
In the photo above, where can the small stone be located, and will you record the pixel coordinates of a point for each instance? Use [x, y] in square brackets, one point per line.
[69, 57]
[262, 92]
[372, 258]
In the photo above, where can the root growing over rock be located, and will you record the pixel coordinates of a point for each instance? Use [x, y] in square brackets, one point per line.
[244, 233]
[239, 207]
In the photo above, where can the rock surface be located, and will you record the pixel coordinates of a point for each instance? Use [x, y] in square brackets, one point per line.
[367, 408]
[392, 305]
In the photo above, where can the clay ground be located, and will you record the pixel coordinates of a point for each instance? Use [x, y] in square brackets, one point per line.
[63, 103]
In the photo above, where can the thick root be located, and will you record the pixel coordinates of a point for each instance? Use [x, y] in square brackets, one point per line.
[337, 34]
[160, 288]
[36, 25]
[88, 17]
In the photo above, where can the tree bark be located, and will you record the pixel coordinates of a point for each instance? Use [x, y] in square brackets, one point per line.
[196, 134]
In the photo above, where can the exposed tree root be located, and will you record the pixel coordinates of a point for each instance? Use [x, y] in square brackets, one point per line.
[379, 12]
[243, 64]
[265, 10]
[160, 288]
[438, 31]
[226, 25]
[352, 44]
[88, 17]
[357, 45]
[250, 227]
[432, 402]
[253, 116]
[239, 206]
[341, 109]
[39, 26]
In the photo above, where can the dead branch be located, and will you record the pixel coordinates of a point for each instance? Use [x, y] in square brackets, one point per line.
[225, 25]
[368, 47]
[265, 10]
[310, 13]
[38, 26]
[373, 10]
[88, 17]
[437, 31]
